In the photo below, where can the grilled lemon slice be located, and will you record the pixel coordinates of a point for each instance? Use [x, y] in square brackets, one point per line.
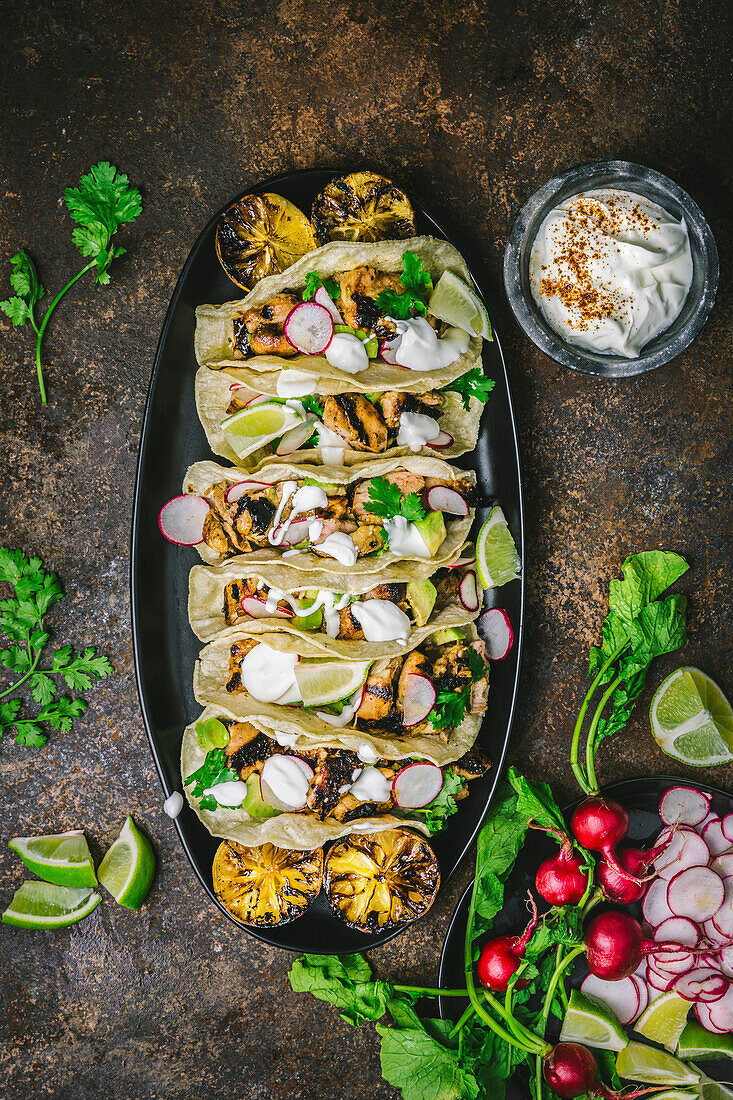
[261, 235]
[266, 886]
[379, 880]
[362, 207]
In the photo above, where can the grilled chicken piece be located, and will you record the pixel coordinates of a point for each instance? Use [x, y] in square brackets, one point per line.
[416, 663]
[355, 419]
[237, 652]
[253, 516]
[395, 592]
[349, 808]
[368, 538]
[265, 334]
[215, 535]
[394, 403]
[247, 749]
[358, 291]
[234, 593]
[447, 583]
[378, 698]
[451, 671]
[473, 765]
[348, 626]
[334, 768]
[240, 337]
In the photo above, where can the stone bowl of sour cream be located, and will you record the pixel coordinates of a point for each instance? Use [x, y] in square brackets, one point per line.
[611, 269]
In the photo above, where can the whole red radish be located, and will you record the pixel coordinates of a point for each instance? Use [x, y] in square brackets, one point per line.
[615, 945]
[562, 879]
[623, 881]
[599, 824]
[571, 1071]
[501, 957]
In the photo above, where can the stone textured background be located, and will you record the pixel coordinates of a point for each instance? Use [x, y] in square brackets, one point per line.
[471, 107]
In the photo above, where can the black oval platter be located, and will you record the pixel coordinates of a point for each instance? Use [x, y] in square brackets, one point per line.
[641, 798]
[165, 648]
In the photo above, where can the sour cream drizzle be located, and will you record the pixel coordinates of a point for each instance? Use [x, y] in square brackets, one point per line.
[341, 547]
[306, 499]
[421, 349]
[381, 621]
[371, 786]
[230, 793]
[269, 675]
[367, 754]
[416, 430]
[346, 352]
[295, 383]
[405, 539]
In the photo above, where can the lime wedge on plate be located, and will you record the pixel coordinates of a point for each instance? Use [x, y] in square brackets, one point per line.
[638, 1062]
[128, 868]
[696, 1042]
[44, 905]
[251, 428]
[497, 559]
[63, 859]
[326, 682]
[692, 720]
[454, 302]
[589, 1021]
[664, 1020]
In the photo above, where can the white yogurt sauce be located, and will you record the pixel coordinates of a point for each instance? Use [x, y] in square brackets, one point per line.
[416, 430]
[306, 499]
[331, 444]
[340, 546]
[331, 607]
[287, 781]
[286, 740]
[420, 349]
[405, 539]
[381, 621]
[367, 754]
[231, 793]
[269, 675]
[610, 270]
[295, 383]
[346, 352]
[371, 786]
[173, 804]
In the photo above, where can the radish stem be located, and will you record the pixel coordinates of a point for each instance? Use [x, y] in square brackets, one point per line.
[556, 976]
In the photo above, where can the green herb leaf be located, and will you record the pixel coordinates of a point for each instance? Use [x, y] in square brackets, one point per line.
[386, 500]
[473, 383]
[344, 981]
[493, 1060]
[436, 813]
[28, 290]
[213, 770]
[311, 404]
[498, 844]
[313, 282]
[414, 276]
[101, 203]
[451, 706]
[30, 734]
[391, 303]
[418, 1058]
[536, 801]
[645, 577]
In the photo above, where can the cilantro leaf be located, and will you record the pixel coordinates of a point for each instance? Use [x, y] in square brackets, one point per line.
[314, 282]
[101, 203]
[17, 310]
[386, 500]
[28, 290]
[391, 303]
[451, 706]
[414, 276]
[213, 770]
[436, 812]
[30, 734]
[345, 982]
[312, 404]
[473, 383]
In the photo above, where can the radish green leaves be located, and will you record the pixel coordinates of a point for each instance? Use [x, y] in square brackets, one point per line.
[102, 202]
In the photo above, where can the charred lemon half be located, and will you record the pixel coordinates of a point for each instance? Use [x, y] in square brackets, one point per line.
[267, 885]
[379, 880]
[261, 235]
[362, 207]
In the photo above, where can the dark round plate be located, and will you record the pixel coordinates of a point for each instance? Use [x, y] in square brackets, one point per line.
[641, 798]
[166, 648]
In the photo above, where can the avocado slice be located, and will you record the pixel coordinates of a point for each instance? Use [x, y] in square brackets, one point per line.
[308, 622]
[212, 734]
[421, 595]
[253, 801]
[432, 531]
[449, 634]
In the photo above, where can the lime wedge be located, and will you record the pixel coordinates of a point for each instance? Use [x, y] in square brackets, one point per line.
[638, 1062]
[588, 1020]
[64, 858]
[692, 720]
[43, 905]
[696, 1042]
[128, 868]
[664, 1020]
[326, 682]
[453, 301]
[497, 559]
[251, 428]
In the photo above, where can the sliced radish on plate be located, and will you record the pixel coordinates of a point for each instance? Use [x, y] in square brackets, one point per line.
[256, 607]
[715, 838]
[684, 806]
[309, 328]
[701, 984]
[725, 958]
[712, 935]
[468, 592]
[323, 298]
[696, 892]
[622, 997]
[181, 520]
[496, 630]
[674, 962]
[440, 441]
[661, 982]
[702, 1011]
[727, 825]
[723, 865]
[678, 930]
[685, 849]
[442, 499]
[234, 492]
[723, 919]
[417, 785]
[643, 990]
[654, 906]
[419, 699]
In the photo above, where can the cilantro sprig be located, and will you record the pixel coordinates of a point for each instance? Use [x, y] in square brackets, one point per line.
[386, 501]
[213, 770]
[314, 282]
[101, 203]
[450, 706]
[417, 283]
[473, 383]
[22, 615]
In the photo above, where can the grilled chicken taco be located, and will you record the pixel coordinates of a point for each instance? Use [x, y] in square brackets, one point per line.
[247, 787]
[365, 621]
[335, 524]
[347, 308]
[427, 700]
[253, 418]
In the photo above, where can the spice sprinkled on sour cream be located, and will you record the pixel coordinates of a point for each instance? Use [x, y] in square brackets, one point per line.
[610, 270]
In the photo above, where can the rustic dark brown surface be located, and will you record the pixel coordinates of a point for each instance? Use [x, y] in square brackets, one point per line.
[471, 106]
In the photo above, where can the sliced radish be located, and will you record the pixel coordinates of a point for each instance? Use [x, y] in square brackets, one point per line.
[419, 699]
[417, 785]
[703, 1012]
[234, 492]
[468, 592]
[727, 826]
[684, 806]
[323, 298]
[725, 958]
[296, 437]
[685, 849]
[678, 930]
[256, 608]
[643, 990]
[674, 962]
[309, 328]
[388, 348]
[712, 816]
[442, 499]
[654, 907]
[284, 782]
[721, 1012]
[701, 984]
[441, 441]
[295, 533]
[723, 919]
[715, 837]
[496, 630]
[723, 865]
[258, 399]
[713, 936]
[661, 982]
[696, 892]
[622, 997]
[181, 520]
